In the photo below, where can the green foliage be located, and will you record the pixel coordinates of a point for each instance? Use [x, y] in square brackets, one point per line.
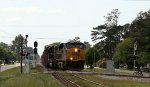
[2, 52]
[144, 57]
[16, 44]
[102, 63]
[56, 43]
[108, 34]
[87, 44]
[30, 50]
[124, 53]
[124, 50]
[11, 78]
[6, 54]
[140, 30]
[4, 45]
[91, 56]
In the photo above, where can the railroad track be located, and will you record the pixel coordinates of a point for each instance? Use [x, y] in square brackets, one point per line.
[95, 73]
[63, 80]
[75, 74]
[68, 83]
[89, 81]
[114, 76]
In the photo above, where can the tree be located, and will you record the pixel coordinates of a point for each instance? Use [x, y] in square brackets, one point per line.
[10, 57]
[56, 43]
[138, 30]
[144, 58]
[2, 53]
[91, 57]
[87, 44]
[108, 34]
[16, 44]
[124, 53]
[30, 50]
[76, 39]
[4, 45]
[6, 55]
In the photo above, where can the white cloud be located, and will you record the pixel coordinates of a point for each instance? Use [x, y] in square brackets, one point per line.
[32, 10]
[20, 10]
[14, 19]
[56, 12]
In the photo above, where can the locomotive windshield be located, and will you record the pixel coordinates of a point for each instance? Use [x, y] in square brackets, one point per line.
[75, 45]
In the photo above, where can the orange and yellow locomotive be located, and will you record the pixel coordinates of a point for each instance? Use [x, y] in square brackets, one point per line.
[65, 55]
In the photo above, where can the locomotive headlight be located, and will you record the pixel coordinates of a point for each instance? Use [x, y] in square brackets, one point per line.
[76, 50]
[71, 58]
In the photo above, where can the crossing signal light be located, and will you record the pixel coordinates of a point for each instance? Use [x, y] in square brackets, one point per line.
[35, 50]
[35, 44]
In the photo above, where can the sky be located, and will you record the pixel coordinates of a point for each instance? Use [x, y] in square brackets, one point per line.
[48, 21]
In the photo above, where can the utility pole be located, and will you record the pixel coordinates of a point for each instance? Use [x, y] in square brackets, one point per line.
[26, 56]
[135, 53]
[21, 53]
[94, 58]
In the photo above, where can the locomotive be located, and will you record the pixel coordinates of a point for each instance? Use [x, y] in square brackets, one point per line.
[64, 55]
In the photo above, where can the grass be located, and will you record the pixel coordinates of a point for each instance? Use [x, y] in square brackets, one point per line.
[12, 78]
[115, 83]
[103, 82]
[123, 73]
[103, 70]
[100, 70]
[80, 82]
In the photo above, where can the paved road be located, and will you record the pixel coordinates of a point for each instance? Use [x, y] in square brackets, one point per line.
[5, 67]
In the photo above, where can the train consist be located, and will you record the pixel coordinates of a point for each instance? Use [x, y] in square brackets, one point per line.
[64, 55]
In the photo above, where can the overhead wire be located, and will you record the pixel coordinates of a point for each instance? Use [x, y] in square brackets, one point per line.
[13, 36]
[8, 33]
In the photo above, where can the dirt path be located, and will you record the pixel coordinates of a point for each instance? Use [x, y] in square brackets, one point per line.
[5, 67]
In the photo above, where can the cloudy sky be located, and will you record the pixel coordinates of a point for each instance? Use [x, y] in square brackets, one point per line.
[48, 21]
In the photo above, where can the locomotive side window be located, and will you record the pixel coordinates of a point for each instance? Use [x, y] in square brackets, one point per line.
[77, 45]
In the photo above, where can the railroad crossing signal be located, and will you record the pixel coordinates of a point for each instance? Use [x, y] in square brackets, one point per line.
[35, 50]
[35, 44]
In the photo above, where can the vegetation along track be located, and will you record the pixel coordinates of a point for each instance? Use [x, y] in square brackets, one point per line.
[114, 76]
[76, 74]
[89, 81]
[63, 80]
[95, 73]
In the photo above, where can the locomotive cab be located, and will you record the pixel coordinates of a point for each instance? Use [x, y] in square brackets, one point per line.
[64, 55]
[75, 55]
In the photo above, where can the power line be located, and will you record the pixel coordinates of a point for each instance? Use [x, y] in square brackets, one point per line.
[34, 38]
[13, 36]
[6, 37]
[8, 33]
[48, 38]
